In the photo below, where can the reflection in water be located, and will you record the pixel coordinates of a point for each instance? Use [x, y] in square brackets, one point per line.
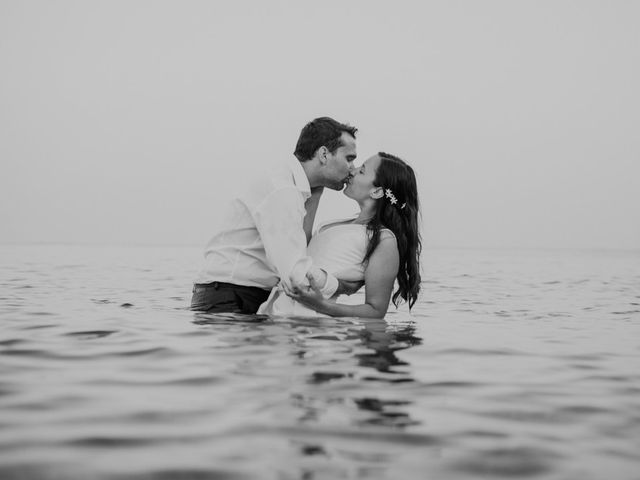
[337, 359]
[385, 340]
[201, 318]
[339, 391]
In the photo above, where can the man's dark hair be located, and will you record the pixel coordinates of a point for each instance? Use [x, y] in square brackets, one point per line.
[321, 132]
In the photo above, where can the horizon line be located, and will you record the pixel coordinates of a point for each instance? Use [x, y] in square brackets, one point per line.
[425, 247]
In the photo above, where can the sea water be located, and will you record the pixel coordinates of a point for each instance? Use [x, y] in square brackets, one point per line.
[513, 364]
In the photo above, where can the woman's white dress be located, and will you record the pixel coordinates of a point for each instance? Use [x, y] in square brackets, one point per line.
[338, 248]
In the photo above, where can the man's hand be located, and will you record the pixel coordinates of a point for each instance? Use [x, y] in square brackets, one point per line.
[346, 287]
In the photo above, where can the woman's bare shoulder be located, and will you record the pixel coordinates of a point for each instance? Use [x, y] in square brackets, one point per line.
[387, 233]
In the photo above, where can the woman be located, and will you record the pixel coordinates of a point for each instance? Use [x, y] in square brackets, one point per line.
[380, 245]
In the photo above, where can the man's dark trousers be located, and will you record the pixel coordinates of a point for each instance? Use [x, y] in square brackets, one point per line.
[220, 297]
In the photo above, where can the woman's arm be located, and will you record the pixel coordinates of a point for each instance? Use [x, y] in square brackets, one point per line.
[379, 276]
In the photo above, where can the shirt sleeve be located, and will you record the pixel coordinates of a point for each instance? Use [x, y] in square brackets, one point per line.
[279, 220]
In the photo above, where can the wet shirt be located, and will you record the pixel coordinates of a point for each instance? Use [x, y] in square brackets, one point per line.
[261, 239]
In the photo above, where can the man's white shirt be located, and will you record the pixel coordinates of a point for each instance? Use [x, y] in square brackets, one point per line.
[261, 239]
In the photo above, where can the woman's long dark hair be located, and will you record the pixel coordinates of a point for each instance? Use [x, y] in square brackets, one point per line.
[398, 211]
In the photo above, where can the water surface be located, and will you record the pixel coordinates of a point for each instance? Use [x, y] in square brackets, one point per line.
[513, 364]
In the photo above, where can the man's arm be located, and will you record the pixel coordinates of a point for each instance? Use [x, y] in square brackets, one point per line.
[279, 220]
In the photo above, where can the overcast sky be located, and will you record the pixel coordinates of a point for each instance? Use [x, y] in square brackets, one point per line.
[131, 121]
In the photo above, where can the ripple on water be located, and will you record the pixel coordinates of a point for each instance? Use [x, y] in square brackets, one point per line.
[454, 384]
[7, 390]
[91, 334]
[563, 415]
[480, 352]
[127, 441]
[60, 471]
[54, 355]
[323, 377]
[583, 410]
[390, 419]
[226, 318]
[368, 436]
[388, 379]
[31, 470]
[613, 378]
[187, 474]
[527, 415]
[377, 405]
[38, 327]
[507, 462]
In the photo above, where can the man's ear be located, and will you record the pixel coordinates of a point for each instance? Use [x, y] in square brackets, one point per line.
[376, 192]
[322, 153]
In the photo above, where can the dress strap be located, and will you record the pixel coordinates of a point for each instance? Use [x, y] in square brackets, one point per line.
[389, 231]
[329, 223]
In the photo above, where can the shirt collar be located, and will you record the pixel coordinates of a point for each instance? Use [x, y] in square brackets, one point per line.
[299, 177]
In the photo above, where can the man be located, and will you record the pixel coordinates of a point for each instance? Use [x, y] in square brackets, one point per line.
[264, 238]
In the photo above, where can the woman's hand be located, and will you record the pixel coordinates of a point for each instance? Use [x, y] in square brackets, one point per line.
[309, 296]
[317, 277]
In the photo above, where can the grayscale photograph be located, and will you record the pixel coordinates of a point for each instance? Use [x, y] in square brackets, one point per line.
[294, 240]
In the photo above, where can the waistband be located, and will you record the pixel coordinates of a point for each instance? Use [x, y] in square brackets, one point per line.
[219, 285]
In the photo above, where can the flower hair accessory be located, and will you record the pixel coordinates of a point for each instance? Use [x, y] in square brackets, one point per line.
[392, 198]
